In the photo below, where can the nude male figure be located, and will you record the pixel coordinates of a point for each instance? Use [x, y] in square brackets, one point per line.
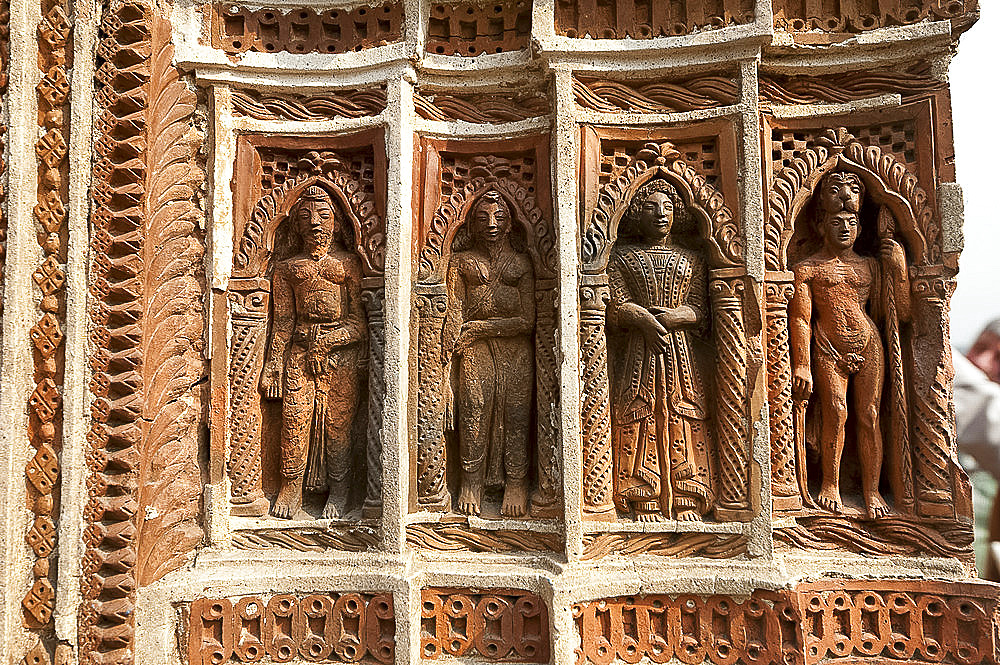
[316, 349]
[488, 332]
[835, 342]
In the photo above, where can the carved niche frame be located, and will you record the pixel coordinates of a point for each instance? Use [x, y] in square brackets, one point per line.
[439, 218]
[929, 488]
[258, 213]
[655, 155]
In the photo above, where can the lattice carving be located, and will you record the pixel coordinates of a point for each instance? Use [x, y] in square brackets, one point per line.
[326, 106]
[608, 96]
[321, 627]
[495, 625]
[635, 19]
[237, 29]
[481, 108]
[691, 629]
[861, 15]
[471, 29]
[897, 138]
[45, 402]
[4, 79]
[146, 313]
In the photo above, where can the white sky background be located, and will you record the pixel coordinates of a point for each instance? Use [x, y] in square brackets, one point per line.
[975, 89]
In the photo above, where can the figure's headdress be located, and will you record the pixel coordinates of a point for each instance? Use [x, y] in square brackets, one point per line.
[644, 192]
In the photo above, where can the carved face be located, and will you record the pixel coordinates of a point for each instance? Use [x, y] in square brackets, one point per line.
[656, 216]
[840, 230]
[490, 219]
[841, 191]
[316, 221]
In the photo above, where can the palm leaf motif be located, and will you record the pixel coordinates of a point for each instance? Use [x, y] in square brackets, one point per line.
[173, 323]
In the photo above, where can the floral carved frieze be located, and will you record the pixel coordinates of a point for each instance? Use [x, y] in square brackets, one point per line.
[804, 15]
[238, 29]
[321, 106]
[609, 96]
[317, 628]
[484, 108]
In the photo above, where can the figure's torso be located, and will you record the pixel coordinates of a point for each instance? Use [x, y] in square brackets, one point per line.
[491, 285]
[660, 276]
[320, 287]
[840, 289]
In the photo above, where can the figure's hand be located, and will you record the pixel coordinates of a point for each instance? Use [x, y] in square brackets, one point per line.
[317, 364]
[802, 383]
[892, 254]
[669, 318]
[270, 382]
[655, 334]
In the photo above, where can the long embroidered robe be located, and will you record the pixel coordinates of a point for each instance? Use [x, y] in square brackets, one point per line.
[660, 424]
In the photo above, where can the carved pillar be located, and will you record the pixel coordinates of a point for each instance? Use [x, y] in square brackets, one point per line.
[545, 501]
[374, 301]
[595, 406]
[432, 491]
[785, 490]
[732, 501]
[932, 444]
[249, 320]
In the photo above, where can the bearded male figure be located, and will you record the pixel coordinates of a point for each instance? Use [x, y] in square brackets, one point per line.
[317, 345]
[660, 427]
[488, 332]
[836, 344]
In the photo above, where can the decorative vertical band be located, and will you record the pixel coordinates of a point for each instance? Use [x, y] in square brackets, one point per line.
[374, 301]
[595, 407]
[546, 500]
[432, 492]
[785, 488]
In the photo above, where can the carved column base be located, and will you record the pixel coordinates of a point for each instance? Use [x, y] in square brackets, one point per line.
[256, 507]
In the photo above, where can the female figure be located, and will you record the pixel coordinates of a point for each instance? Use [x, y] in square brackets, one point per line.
[660, 428]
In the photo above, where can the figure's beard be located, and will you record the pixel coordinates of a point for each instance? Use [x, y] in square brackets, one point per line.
[318, 240]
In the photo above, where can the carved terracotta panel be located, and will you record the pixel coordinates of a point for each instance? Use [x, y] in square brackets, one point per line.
[659, 96]
[806, 15]
[484, 108]
[492, 625]
[662, 259]
[305, 302]
[485, 301]
[321, 106]
[855, 621]
[317, 628]
[237, 29]
[622, 19]
[854, 206]
[476, 28]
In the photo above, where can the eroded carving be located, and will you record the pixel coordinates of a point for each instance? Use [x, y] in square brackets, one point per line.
[621, 19]
[237, 29]
[486, 366]
[609, 96]
[710, 546]
[318, 340]
[321, 627]
[471, 29]
[463, 623]
[340, 104]
[457, 536]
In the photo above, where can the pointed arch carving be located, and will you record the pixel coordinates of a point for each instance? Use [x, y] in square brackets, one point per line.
[257, 240]
[452, 213]
[887, 180]
[715, 220]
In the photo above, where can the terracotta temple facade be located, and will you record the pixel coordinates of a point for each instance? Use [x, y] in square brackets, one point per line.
[580, 332]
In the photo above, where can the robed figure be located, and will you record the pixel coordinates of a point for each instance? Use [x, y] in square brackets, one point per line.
[660, 422]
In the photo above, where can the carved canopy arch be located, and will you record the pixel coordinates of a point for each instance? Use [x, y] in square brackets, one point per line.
[887, 181]
[453, 212]
[357, 206]
[705, 203]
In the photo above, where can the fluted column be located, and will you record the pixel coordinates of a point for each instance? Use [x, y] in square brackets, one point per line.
[595, 407]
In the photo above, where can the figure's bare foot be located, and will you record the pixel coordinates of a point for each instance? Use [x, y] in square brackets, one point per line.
[515, 499]
[876, 507]
[336, 501]
[688, 516]
[289, 501]
[829, 499]
[470, 495]
[643, 516]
